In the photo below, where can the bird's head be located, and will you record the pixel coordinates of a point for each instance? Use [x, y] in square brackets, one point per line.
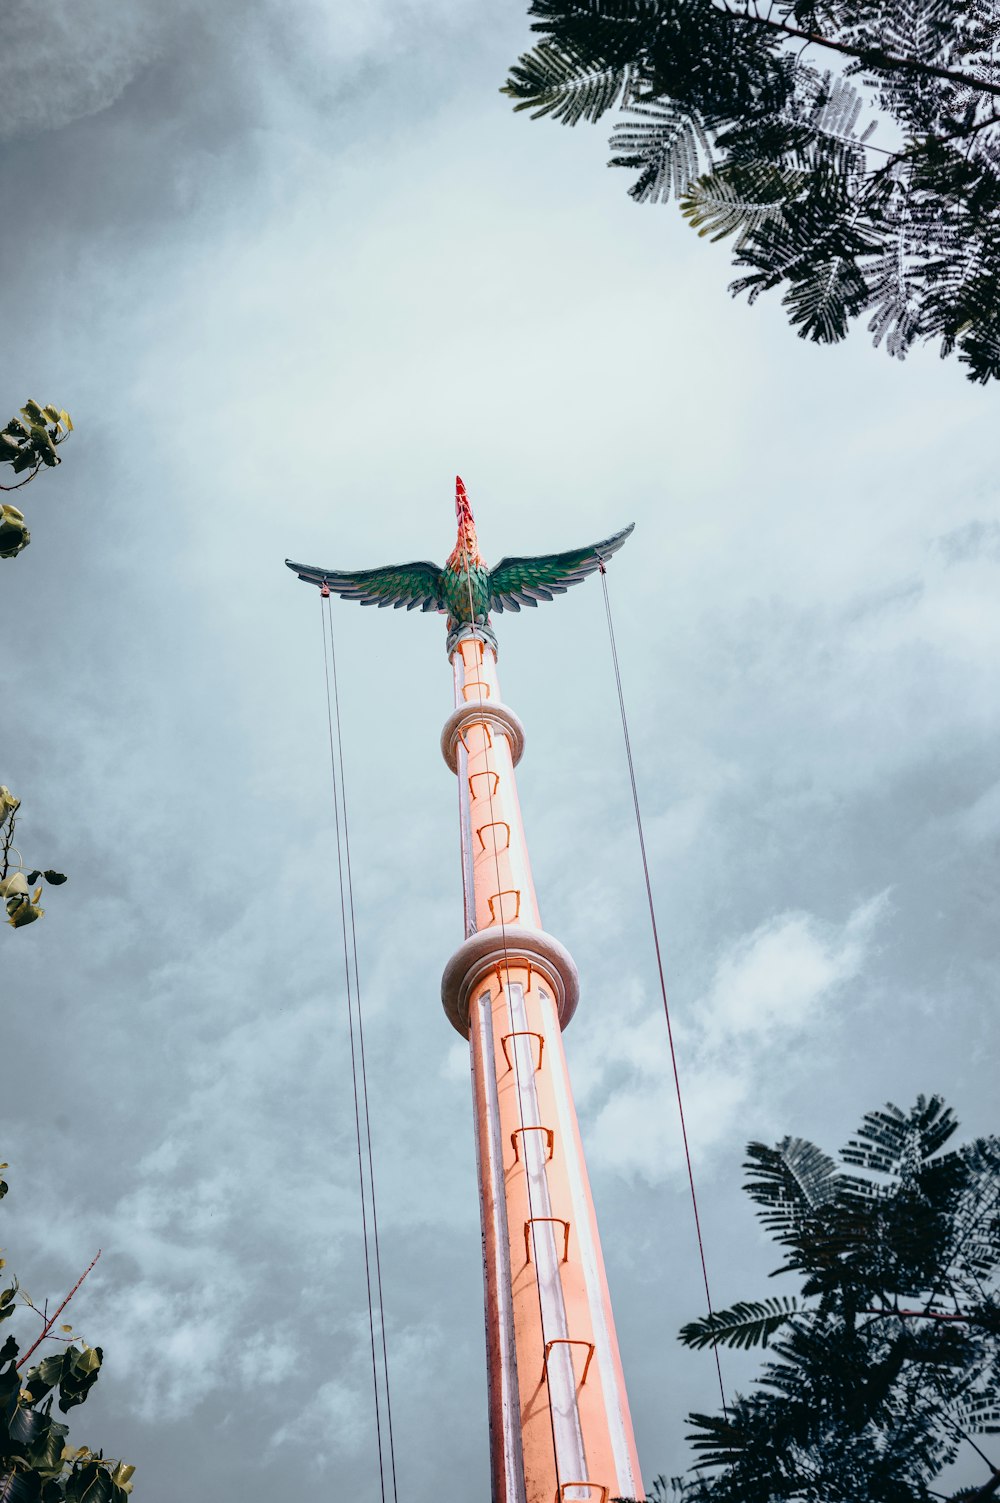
[467, 544]
[463, 509]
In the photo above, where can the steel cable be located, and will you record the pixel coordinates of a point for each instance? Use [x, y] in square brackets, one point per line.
[354, 999]
[659, 966]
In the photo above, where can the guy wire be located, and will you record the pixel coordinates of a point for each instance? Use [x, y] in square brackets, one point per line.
[659, 965]
[361, 1040]
[354, 1070]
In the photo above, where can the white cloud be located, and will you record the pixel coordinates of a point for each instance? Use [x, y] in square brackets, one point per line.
[172, 1347]
[770, 995]
[331, 1425]
[774, 979]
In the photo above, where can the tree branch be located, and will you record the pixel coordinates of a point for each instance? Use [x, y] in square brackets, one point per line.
[8, 841]
[50, 1323]
[917, 1314]
[25, 481]
[872, 57]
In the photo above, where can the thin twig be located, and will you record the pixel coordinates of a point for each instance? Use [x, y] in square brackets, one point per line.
[25, 481]
[50, 1323]
[918, 1314]
[44, 1315]
[8, 841]
[871, 57]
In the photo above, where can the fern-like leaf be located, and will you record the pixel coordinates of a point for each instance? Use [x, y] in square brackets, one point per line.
[746, 1324]
[721, 1439]
[666, 143]
[740, 199]
[888, 1139]
[894, 290]
[981, 1413]
[558, 81]
[824, 300]
[789, 1182]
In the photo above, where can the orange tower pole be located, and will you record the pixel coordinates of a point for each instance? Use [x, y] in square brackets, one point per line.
[560, 1429]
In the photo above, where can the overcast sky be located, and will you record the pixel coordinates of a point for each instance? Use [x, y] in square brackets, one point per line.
[290, 267]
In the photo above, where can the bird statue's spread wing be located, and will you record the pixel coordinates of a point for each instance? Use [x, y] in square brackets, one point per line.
[525, 581]
[410, 585]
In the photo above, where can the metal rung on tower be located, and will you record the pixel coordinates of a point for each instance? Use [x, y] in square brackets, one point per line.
[568, 1341]
[523, 1033]
[488, 773]
[559, 1221]
[498, 897]
[550, 1138]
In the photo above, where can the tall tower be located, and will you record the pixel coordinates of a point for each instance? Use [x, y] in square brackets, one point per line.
[560, 1429]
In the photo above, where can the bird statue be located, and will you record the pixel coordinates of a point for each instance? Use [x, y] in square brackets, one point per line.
[465, 590]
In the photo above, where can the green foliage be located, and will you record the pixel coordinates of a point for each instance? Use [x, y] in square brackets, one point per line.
[73, 1371]
[748, 1323]
[27, 443]
[31, 438]
[37, 1465]
[889, 1361]
[14, 534]
[21, 903]
[723, 110]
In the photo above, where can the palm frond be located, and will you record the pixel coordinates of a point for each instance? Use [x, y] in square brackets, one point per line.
[824, 300]
[888, 1139]
[833, 111]
[979, 349]
[557, 81]
[592, 17]
[923, 29]
[789, 1182]
[813, 126]
[759, 144]
[981, 1413]
[740, 198]
[894, 286]
[666, 143]
[721, 1439]
[746, 1324]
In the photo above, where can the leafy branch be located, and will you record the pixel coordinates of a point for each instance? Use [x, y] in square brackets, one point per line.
[15, 884]
[50, 1322]
[28, 443]
[37, 1464]
[871, 1386]
[720, 109]
[870, 58]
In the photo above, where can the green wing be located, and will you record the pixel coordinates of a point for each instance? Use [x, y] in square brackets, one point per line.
[525, 581]
[398, 585]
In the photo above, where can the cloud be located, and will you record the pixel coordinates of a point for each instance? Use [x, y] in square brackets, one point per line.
[980, 821]
[172, 1347]
[331, 1425]
[773, 980]
[73, 61]
[768, 1000]
[70, 61]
